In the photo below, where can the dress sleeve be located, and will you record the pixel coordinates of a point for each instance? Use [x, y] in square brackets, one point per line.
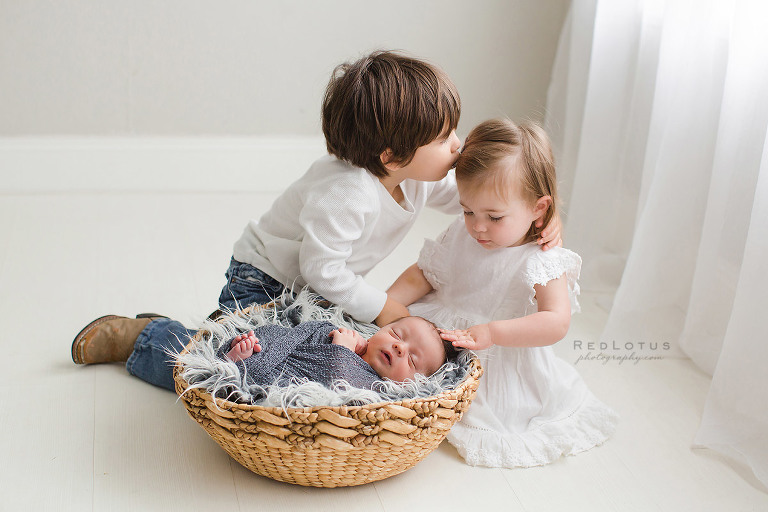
[544, 266]
[432, 259]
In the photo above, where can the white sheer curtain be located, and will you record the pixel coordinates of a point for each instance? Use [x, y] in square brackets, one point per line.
[659, 111]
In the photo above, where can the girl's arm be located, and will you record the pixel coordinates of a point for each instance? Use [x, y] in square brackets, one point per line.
[545, 327]
[392, 311]
[410, 286]
[407, 289]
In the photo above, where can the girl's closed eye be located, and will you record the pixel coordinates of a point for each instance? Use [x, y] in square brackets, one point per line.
[467, 214]
[495, 219]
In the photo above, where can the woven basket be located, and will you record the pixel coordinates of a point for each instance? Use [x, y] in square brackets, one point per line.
[330, 446]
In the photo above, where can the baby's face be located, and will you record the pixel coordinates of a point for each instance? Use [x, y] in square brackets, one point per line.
[405, 347]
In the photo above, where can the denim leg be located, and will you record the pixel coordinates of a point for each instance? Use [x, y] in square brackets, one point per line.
[151, 359]
[247, 285]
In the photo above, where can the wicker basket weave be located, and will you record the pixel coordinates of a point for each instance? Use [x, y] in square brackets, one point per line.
[330, 446]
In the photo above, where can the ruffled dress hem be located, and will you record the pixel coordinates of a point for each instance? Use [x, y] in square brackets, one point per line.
[590, 425]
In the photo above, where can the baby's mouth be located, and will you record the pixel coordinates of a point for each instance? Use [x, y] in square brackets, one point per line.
[387, 357]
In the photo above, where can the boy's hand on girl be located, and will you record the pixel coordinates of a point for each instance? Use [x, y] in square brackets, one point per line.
[477, 337]
[350, 339]
[243, 346]
[550, 237]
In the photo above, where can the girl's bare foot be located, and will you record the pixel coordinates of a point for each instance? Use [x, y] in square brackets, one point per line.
[243, 347]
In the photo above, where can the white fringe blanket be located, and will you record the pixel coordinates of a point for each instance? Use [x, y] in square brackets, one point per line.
[223, 379]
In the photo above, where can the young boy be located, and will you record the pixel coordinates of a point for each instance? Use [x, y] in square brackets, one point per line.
[389, 123]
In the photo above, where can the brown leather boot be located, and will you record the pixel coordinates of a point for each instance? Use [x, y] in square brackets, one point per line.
[109, 339]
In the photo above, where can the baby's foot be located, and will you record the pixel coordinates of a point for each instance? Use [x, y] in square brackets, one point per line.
[243, 347]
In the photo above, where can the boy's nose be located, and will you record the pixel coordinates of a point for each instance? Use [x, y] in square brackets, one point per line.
[455, 142]
[398, 348]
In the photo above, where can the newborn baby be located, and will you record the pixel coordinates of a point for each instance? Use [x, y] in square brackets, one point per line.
[321, 352]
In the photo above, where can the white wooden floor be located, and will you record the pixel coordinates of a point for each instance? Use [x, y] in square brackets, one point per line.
[94, 438]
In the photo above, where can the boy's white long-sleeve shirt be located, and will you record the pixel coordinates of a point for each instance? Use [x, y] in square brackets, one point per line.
[332, 226]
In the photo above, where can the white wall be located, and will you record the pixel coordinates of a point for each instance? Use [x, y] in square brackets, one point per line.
[188, 67]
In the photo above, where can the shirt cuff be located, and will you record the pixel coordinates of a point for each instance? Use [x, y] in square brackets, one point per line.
[366, 304]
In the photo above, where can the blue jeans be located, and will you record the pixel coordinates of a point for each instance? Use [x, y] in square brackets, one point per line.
[152, 359]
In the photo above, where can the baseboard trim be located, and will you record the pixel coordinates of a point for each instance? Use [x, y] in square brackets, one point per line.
[31, 165]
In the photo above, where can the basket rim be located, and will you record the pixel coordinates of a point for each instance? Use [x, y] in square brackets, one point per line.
[473, 374]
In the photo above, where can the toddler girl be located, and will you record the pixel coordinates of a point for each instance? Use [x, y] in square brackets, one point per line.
[507, 299]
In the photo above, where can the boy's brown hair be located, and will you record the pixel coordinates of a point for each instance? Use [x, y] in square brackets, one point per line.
[498, 151]
[386, 100]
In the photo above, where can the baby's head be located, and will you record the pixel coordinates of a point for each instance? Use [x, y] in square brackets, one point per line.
[385, 106]
[506, 179]
[405, 347]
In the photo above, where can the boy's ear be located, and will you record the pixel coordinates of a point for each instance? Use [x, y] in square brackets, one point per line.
[388, 159]
[542, 205]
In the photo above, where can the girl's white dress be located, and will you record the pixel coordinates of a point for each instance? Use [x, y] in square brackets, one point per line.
[531, 407]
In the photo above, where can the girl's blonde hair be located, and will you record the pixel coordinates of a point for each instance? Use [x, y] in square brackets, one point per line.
[499, 151]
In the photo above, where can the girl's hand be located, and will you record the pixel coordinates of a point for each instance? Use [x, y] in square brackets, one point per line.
[477, 337]
[550, 237]
[350, 339]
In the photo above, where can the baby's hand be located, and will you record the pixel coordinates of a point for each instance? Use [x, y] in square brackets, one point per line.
[350, 339]
[243, 346]
[477, 337]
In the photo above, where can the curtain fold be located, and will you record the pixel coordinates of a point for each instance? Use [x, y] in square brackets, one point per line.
[661, 140]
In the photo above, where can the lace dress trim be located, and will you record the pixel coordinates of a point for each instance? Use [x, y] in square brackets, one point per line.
[542, 267]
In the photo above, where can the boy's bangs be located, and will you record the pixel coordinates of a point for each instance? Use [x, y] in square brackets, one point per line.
[449, 108]
[442, 118]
